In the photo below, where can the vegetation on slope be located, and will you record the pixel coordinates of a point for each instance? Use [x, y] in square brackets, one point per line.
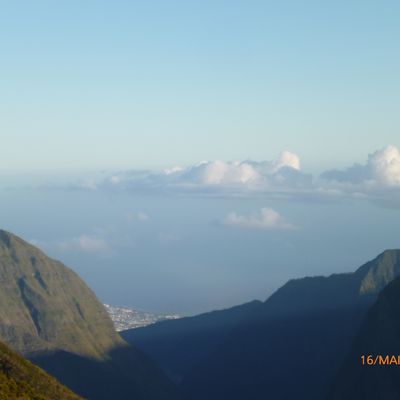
[45, 305]
[20, 379]
[51, 316]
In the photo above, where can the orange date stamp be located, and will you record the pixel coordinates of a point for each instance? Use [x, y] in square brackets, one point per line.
[380, 359]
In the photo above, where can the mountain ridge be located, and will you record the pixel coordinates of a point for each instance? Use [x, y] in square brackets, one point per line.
[38, 289]
[314, 317]
[54, 319]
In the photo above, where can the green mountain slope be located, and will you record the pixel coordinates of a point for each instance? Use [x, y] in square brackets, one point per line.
[379, 335]
[50, 316]
[45, 305]
[20, 379]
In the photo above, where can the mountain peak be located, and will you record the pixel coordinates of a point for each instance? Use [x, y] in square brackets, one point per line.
[377, 273]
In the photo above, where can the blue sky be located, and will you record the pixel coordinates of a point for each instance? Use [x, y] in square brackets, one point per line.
[100, 84]
[109, 109]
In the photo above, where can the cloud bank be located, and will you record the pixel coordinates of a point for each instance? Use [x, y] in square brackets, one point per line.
[216, 176]
[378, 179]
[382, 169]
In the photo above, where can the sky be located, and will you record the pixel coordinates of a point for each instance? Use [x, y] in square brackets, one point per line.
[183, 156]
[101, 84]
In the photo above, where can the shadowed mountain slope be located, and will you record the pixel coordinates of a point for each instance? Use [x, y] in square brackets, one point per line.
[50, 315]
[300, 335]
[379, 335]
[312, 294]
[179, 345]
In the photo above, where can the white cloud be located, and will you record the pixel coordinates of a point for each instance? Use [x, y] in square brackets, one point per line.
[172, 170]
[385, 166]
[222, 173]
[287, 159]
[241, 173]
[378, 179]
[267, 218]
[282, 173]
[382, 169]
[84, 243]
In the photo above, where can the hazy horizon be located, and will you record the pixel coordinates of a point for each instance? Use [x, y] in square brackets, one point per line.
[185, 156]
[211, 235]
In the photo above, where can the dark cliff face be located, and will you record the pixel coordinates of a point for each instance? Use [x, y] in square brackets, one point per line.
[379, 335]
[179, 345]
[51, 316]
[298, 335]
